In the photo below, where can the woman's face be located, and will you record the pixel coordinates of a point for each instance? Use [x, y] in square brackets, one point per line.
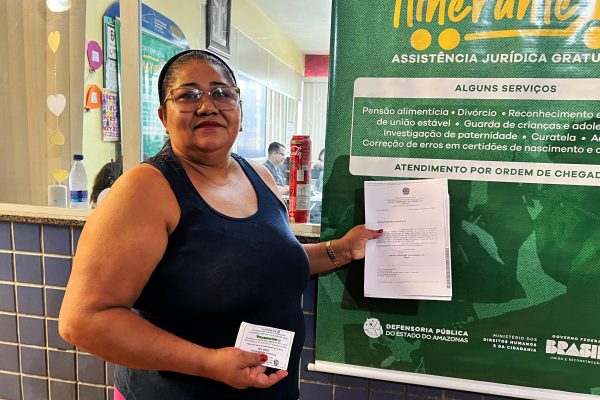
[208, 129]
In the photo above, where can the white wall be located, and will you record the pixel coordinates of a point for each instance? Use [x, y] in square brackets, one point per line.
[314, 113]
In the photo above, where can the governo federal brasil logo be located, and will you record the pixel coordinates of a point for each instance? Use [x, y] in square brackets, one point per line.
[530, 18]
[373, 328]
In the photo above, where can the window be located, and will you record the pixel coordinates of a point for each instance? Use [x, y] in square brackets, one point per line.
[251, 142]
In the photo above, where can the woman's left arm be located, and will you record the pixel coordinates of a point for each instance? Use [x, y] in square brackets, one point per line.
[327, 256]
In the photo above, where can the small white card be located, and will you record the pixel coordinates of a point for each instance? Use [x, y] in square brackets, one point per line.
[274, 342]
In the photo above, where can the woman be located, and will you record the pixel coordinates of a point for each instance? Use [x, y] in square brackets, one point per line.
[199, 243]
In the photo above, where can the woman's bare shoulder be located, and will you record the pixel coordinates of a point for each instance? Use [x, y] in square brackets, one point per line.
[264, 173]
[261, 170]
[142, 193]
[266, 176]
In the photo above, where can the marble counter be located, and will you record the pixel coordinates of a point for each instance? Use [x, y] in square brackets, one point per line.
[43, 215]
[306, 233]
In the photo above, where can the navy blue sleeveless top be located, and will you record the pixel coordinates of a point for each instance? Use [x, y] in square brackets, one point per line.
[216, 272]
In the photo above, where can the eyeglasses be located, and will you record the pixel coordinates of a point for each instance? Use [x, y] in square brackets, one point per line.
[188, 99]
[282, 154]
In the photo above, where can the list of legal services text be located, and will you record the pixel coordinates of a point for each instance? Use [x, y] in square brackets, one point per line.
[538, 132]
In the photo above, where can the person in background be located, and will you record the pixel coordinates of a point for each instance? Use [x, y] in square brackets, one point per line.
[276, 154]
[318, 165]
[316, 172]
[189, 245]
[105, 178]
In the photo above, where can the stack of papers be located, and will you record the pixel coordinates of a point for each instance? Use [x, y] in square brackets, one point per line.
[411, 260]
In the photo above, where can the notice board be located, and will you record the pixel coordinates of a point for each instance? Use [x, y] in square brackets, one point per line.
[502, 98]
[156, 51]
[161, 39]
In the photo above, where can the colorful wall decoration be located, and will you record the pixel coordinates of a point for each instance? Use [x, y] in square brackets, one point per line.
[56, 103]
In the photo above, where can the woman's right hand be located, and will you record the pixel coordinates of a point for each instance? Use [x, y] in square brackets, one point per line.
[240, 369]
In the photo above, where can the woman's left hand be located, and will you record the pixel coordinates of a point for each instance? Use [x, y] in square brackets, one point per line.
[352, 244]
[349, 247]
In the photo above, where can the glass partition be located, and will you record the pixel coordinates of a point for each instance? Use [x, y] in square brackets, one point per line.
[251, 142]
[66, 79]
[41, 101]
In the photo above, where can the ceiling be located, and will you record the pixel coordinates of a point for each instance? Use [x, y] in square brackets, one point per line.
[306, 22]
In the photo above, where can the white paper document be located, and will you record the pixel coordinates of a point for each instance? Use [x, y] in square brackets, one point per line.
[411, 260]
[274, 342]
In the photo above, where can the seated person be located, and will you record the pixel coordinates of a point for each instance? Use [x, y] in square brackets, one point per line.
[316, 171]
[107, 175]
[318, 165]
[276, 153]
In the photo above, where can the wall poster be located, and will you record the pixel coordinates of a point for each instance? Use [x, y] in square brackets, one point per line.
[155, 53]
[161, 39]
[500, 97]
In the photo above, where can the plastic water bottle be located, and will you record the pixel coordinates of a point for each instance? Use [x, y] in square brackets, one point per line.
[78, 183]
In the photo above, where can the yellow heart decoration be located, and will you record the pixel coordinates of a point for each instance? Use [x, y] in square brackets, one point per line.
[54, 40]
[57, 138]
[60, 175]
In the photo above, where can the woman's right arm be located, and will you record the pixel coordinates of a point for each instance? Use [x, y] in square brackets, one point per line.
[120, 245]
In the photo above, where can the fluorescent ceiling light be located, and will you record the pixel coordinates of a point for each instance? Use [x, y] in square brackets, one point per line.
[58, 5]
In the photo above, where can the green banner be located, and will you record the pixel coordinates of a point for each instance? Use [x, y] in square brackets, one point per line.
[502, 98]
[155, 53]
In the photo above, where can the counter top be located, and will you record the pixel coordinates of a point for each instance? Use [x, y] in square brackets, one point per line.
[43, 215]
[309, 233]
